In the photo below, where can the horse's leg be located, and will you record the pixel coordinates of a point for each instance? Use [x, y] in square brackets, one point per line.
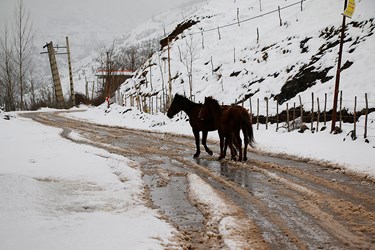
[229, 142]
[204, 142]
[246, 142]
[239, 144]
[198, 150]
[223, 148]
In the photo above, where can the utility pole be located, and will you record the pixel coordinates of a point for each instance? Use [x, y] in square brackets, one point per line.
[55, 75]
[72, 96]
[336, 91]
[169, 75]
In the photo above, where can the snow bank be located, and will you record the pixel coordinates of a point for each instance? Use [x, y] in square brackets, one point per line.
[60, 195]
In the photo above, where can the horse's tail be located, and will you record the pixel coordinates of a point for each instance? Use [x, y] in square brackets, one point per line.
[247, 129]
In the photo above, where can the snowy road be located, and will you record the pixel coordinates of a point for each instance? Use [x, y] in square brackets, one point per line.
[265, 203]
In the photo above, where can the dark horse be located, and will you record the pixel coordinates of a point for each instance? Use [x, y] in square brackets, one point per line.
[229, 122]
[192, 109]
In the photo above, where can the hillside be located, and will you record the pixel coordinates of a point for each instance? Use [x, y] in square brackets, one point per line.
[295, 59]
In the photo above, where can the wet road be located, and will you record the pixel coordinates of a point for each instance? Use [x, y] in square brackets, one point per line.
[290, 204]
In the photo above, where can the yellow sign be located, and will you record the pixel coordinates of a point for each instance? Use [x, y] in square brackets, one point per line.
[348, 12]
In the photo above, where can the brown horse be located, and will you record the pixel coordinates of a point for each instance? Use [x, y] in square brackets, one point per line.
[229, 122]
[192, 109]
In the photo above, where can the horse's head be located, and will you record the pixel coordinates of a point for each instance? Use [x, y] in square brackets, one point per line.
[175, 106]
[206, 110]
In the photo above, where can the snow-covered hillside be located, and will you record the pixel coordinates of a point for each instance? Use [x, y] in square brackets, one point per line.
[84, 67]
[297, 58]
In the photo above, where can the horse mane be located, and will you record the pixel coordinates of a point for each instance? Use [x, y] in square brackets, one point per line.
[186, 103]
[213, 103]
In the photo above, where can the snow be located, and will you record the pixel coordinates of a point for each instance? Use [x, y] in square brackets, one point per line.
[93, 198]
[57, 194]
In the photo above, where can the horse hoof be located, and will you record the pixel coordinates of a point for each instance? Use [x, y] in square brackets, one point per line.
[196, 155]
[245, 159]
[209, 152]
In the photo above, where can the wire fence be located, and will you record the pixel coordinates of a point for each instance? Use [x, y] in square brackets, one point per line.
[289, 116]
[248, 19]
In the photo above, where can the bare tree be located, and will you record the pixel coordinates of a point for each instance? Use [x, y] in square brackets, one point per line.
[188, 57]
[22, 44]
[106, 59]
[7, 71]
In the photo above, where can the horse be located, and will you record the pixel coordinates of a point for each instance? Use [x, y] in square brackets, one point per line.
[192, 109]
[229, 122]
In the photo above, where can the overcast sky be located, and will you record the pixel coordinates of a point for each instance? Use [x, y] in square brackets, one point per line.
[104, 17]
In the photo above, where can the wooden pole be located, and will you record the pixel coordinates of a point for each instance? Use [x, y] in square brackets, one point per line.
[92, 90]
[340, 110]
[287, 116]
[337, 83]
[318, 116]
[257, 113]
[294, 116]
[86, 88]
[55, 76]
[281, 23]
[277, 116]
[72, 94]
[325, 109]
[238, 17]
[257, 35]
[251, 108]
[354, 135]
[312, 111]
[266, 113]
[202, 40]
[366, 116]
[301, 109]
[218, 31]
[169, 75]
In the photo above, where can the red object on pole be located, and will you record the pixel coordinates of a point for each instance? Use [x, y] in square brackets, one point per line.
[336, 92]
[107, 99]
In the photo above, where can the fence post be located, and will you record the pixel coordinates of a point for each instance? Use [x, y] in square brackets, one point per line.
[257, 35]
[325, 109]
[318, 116]
[281, 23]
[312, 111]
[354, 135]
[366, 116]
[294, 116]
[340, 109]
[238, 17]
[287, 116]
[251, 108]
[301, 108]
[277, 116]
[257, 113]
[266, 113]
